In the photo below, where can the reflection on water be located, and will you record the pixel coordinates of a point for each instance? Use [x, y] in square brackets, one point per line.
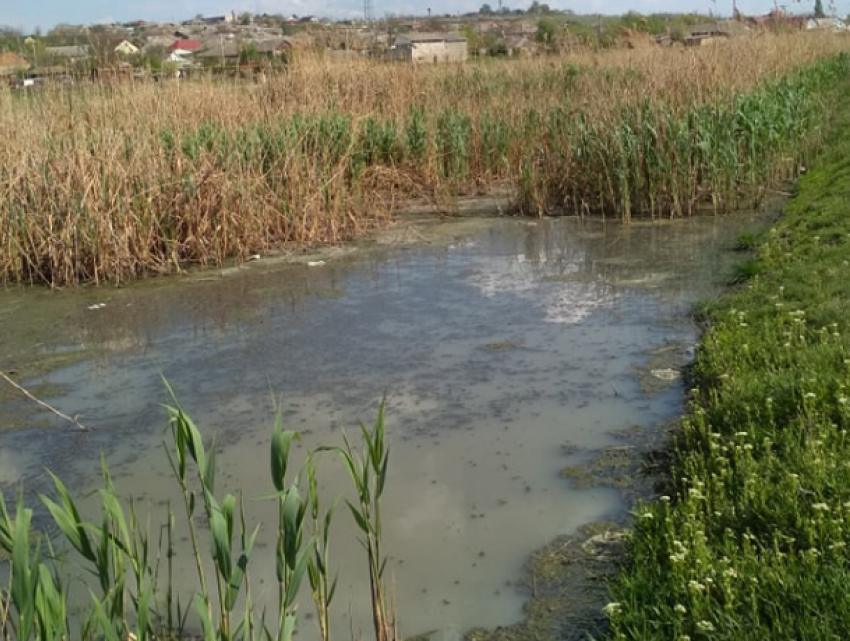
[494, 350]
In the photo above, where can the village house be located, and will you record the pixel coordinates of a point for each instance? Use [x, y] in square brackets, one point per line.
[185, 47]
[12, 63]
[273, 47]
[825, 24]
[231, 52]
[179, 60]
[71, 53]
[429, 48]
[126, 48]
[777, 19]
[520, 28]
[710, 32]
[229, 18]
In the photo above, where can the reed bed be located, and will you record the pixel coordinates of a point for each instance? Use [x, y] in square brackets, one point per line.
[109, 183]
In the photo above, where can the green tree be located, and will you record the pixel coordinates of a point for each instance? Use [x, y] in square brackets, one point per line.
[248, 53]
[819, 9]
[486, 10]
[473, 40]
[547, 31]
[152, 58]
[11, 39]
[245, 18]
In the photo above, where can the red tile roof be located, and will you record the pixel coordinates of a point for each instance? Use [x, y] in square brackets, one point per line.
[186, 45]
[11, 62]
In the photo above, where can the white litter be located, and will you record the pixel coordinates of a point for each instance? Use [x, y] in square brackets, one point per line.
[315, 263]
[97, 306]
[667, 374]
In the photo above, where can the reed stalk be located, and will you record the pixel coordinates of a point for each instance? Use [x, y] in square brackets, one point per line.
[108, 184]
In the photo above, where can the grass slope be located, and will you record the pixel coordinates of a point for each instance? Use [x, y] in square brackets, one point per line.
[754, 541]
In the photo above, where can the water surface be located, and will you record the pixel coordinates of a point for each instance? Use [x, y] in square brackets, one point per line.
[496, 342]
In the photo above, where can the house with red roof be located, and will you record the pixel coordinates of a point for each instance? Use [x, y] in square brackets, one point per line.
[12, 63]
[185, 46]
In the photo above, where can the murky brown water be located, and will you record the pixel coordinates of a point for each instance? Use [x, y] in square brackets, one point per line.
[495, 349]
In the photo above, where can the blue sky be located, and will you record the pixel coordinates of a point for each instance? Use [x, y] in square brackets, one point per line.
[47, 13]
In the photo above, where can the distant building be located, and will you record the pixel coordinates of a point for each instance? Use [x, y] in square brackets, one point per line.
[231, 52]
[777, 19]
[429, 48]
[126, 48]
[706, 33]
[68, 52]
[230, 18]
[185, 46]
[825, 24]
[178, 60]
[12, 63]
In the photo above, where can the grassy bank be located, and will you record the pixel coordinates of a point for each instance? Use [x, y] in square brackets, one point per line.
[754, 540]
[106, 184]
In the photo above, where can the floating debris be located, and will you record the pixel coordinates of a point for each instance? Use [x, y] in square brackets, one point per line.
[315, 263]
[97, 306]
[665, 374]
[502, 346]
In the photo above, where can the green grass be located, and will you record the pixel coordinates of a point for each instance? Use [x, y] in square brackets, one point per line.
[753, 542]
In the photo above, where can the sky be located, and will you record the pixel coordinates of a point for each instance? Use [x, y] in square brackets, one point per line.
[27, 15]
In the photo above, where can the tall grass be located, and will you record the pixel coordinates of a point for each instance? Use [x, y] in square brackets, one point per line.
[752, 540]
[106, 184]
[132, 594]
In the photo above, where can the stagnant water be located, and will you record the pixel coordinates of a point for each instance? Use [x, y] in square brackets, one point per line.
[496, 342]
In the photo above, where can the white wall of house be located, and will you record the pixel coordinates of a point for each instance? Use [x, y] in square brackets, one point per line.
[435, 52]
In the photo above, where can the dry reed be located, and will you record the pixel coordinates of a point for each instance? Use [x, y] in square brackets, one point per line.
[107, 183]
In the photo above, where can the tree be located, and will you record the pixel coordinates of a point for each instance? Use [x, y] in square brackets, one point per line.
[473, 40]
[819, 9]
[245, 18]
[248, 53]
[547, 31]
[10, 39]
[486, 10]
[152, 57]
